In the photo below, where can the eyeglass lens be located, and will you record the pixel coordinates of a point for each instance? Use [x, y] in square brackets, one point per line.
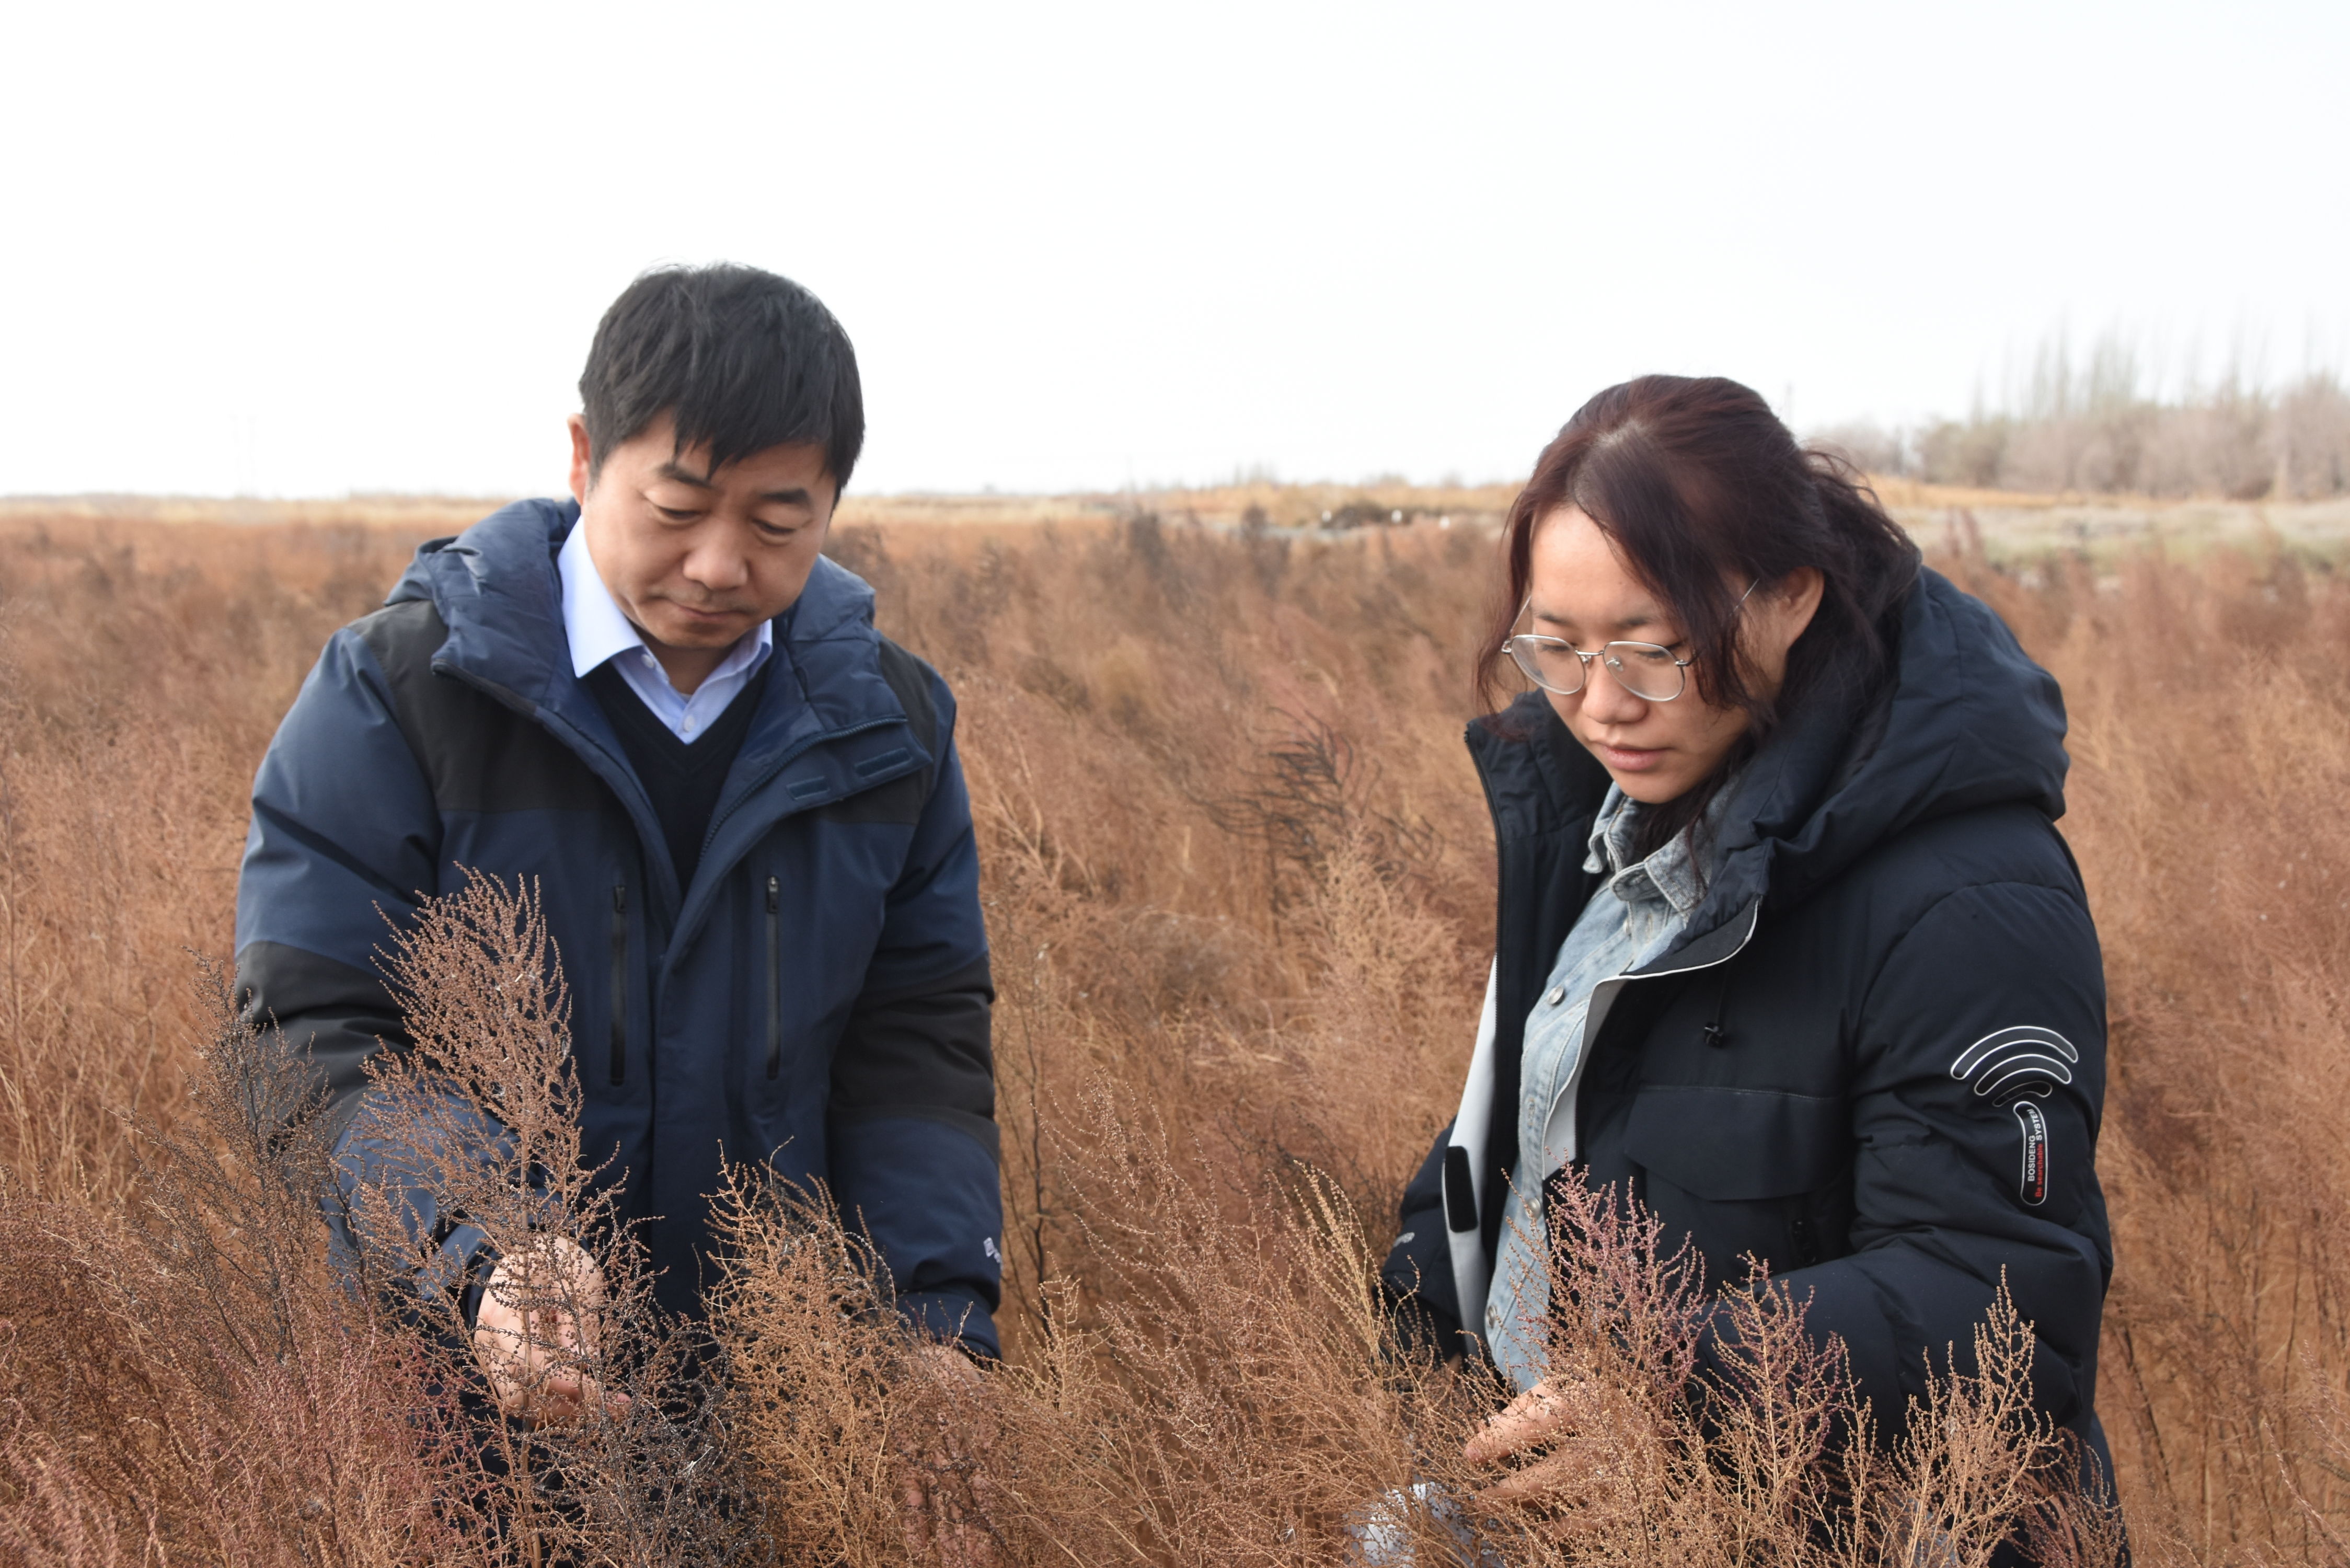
[1643, 669]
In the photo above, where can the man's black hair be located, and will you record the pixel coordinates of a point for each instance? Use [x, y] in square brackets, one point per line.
[741, 359]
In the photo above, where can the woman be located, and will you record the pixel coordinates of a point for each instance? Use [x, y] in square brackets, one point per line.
[1789, 947]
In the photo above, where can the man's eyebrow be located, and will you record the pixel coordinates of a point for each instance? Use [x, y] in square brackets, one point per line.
[686, 476]
[797, 497]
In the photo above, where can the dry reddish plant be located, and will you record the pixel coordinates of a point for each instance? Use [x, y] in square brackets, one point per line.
[1226, 1394]
[815, 1364]
[642, 1476]
[2210, 751]
[1761, 1451]
[189, 1380]
[1239, 885]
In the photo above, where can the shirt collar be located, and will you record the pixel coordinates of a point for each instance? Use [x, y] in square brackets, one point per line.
[1670, 873]
[598, 631]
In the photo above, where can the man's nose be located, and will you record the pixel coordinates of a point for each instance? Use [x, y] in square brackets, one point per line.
[717, 565]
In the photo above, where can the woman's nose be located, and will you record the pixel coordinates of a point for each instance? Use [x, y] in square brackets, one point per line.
[1605, 699]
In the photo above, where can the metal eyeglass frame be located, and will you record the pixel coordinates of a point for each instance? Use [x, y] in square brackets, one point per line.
[1615, 667]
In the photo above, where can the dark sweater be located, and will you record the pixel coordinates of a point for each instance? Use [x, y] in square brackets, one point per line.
[682, 777]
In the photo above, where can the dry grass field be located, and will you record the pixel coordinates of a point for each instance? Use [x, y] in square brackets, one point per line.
[1239, 884]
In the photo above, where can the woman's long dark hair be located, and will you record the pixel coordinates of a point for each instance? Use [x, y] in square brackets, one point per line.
[1703, 488]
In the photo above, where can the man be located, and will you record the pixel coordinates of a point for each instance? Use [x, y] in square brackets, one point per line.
[740, 805]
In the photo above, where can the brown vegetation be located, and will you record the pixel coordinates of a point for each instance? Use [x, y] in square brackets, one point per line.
[1239, 888]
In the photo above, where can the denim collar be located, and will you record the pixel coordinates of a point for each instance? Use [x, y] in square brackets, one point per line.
[1671, 873]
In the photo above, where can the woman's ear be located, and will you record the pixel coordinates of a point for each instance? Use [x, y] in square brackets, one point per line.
[1774, 620]
[1794, 600]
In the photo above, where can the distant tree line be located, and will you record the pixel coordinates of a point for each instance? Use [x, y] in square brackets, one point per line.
[2098, 427]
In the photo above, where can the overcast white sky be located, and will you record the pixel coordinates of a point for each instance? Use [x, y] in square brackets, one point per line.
[304, 250]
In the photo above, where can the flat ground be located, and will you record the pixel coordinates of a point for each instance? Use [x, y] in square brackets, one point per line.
[2013, 525]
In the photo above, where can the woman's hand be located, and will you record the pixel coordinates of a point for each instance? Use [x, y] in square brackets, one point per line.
[536, 1332]
[1582, 1425]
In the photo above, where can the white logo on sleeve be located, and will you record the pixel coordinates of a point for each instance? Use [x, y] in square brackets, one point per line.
[2027, 1059]
[987, 1245]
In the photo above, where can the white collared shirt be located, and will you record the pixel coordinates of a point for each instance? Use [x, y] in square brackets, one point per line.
[599, 633]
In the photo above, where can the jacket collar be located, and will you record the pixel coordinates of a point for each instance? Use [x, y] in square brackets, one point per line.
[499, 593]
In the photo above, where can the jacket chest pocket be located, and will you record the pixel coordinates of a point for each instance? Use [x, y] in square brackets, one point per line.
[1740, 1145]
[1747, 1173]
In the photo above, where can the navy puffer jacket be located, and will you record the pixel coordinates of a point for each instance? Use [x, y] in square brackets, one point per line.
[816, 997]
[1874, 1060]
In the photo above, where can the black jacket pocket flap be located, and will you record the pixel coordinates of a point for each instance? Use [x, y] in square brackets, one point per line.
[1723, 1143]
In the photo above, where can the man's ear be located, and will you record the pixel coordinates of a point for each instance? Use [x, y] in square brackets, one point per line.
[582, 457]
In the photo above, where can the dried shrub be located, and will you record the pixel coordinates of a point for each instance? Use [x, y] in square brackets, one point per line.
[1192, 1377]
[1223, 1392]
[817, 1371]
[189, 1380]
[642, 1476]
[1764, 1451]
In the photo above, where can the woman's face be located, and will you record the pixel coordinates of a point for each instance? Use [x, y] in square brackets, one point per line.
[1582, 590]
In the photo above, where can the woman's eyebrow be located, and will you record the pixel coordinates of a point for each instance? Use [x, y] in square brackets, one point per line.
[1634, 622]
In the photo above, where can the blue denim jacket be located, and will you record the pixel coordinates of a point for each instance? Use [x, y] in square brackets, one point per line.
[1630, 921]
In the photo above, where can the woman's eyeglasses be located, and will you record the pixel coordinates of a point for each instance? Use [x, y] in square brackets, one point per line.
[1648, 672]
[1643, 669]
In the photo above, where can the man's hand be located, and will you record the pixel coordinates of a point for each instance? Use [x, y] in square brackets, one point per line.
[946, 1483]
[1589, 1433]
[536, 1332]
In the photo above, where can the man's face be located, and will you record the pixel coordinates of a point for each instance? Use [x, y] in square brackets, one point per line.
[695, 558]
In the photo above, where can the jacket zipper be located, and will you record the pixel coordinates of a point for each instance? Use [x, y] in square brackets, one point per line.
[619, 981]
[774, 976]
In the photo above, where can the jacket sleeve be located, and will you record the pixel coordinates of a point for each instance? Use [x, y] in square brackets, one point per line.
[1417, 1278]
[1980, 1079]
[345, 835]
[913, 1135]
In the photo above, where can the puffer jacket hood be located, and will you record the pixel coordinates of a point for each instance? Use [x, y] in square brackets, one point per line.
[1968, 721]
